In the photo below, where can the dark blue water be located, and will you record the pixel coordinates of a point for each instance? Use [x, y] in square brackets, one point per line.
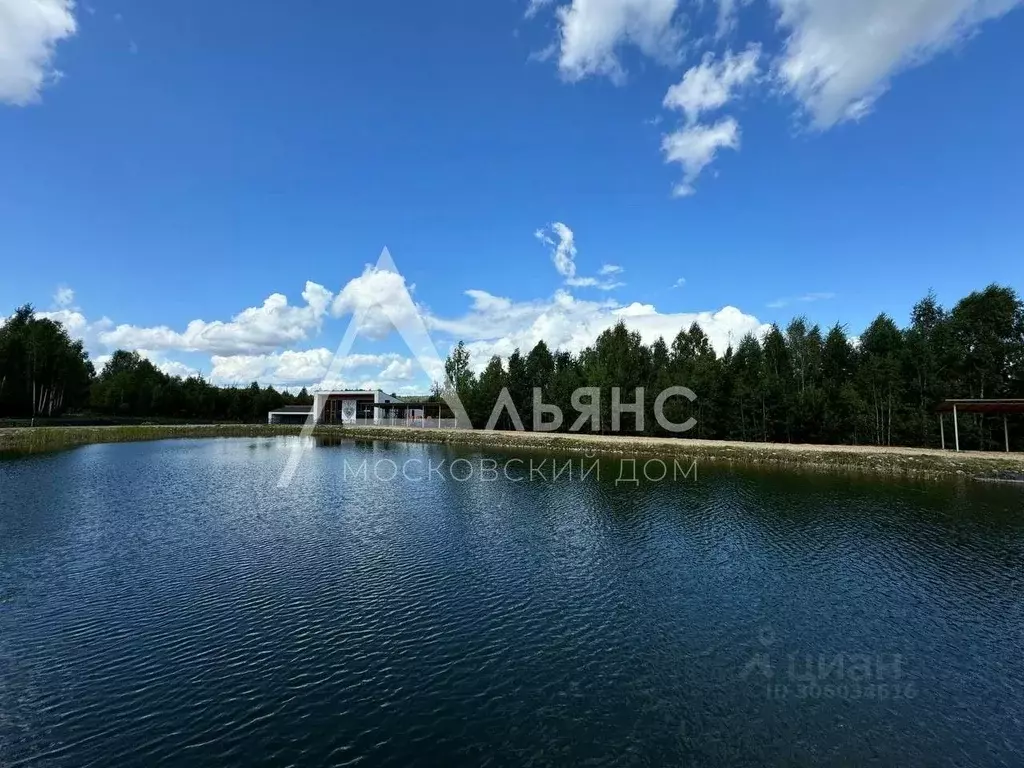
[164, 603]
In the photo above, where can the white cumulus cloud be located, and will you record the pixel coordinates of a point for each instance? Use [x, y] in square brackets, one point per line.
[274, 324]
[695, 147]
[29, 33]
[592, 32]
[836, 57]
[374, 295]
[497, 326]
[711, 85]
[306, 367]
[163, 364]
[399, 370]
[258, 343]
[76, 324]
[707, 87]
[839, 56]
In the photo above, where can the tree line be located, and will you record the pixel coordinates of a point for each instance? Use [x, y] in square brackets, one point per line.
[45, 374]
[799, 384]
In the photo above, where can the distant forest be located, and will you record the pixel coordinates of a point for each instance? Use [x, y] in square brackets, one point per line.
[44, 373]
[796, 384]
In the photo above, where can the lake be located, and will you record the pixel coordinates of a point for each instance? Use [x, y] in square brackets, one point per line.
[166, 603]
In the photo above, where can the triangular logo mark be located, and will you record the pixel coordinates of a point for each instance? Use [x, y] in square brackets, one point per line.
[406, 319]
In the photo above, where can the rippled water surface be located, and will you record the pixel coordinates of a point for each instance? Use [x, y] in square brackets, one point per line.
[165, 603]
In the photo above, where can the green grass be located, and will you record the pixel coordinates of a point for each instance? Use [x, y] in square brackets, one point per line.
[40, 439]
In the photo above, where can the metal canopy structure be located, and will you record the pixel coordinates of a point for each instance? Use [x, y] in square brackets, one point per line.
[420, 413]
[993, 406]
[407, 405]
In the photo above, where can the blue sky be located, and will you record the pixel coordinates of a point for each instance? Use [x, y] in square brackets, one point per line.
[739, 163]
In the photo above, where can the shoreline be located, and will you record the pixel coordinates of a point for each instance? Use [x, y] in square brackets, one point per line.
[882, 460]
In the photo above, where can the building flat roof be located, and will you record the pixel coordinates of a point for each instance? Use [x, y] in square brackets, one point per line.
[346, 391]
[351, 392]
[979, 405]
[293, 409]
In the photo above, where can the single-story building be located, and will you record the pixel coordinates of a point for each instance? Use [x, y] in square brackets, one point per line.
[355, 406]
[289, 414]
[363, 406]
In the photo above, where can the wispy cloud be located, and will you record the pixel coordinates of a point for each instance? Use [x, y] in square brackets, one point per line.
[561, 240]
[806, 298]
[64, 297]
[679, 283]
[535, 7]
[593, 282]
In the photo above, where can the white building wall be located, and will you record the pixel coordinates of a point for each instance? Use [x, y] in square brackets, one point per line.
[379, 416]
[319, 401]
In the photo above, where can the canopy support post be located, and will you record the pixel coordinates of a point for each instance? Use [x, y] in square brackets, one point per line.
[956, 429]
[1006, 433]
[942, 430]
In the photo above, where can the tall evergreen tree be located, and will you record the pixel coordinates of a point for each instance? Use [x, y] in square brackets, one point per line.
[488, 390]
[540, 368]
[881, 356]
[518, 382]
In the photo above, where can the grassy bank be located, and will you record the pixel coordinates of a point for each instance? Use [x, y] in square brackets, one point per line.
[874, 460]
[39, 439]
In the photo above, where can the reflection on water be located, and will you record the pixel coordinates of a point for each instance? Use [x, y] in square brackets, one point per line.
[165, 602]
